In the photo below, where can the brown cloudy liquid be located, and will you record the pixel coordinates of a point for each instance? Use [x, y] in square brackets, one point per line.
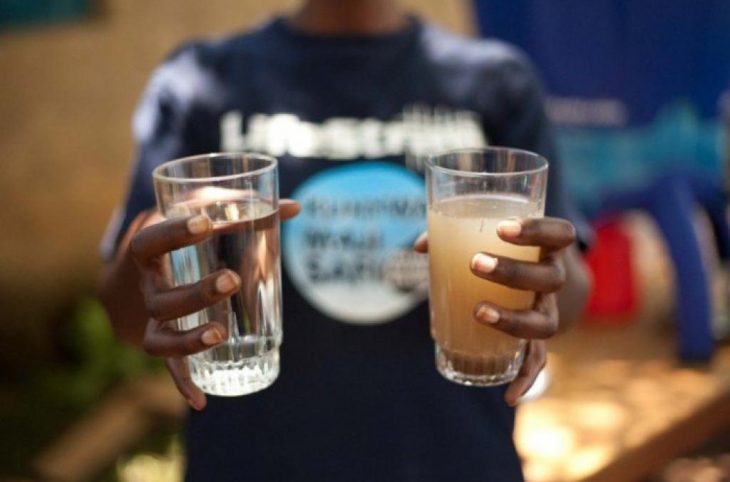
[458, 228]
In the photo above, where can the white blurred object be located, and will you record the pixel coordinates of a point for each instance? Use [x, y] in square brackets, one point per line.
[542, 382]
[153, 468]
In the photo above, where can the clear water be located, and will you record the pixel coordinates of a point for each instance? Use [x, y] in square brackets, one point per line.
[245, 240]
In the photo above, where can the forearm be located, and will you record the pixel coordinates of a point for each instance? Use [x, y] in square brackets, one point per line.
[120, 293]
[573, 297]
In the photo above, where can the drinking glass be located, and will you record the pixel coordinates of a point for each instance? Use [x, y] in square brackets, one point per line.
[469, 192]
[240, 194]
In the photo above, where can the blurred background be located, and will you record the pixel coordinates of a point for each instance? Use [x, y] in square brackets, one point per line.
[639, 392]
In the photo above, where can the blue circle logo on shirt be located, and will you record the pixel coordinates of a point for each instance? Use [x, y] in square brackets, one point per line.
[349, 252]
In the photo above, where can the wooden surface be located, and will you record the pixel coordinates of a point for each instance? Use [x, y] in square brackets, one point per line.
[119, 421]
[619, 406]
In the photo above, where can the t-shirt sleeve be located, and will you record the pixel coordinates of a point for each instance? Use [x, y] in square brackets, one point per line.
[525, 125]
[159, 128]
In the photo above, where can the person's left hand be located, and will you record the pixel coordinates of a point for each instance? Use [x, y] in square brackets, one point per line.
[545, 277]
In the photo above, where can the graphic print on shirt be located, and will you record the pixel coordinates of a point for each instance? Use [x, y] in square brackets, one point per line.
[417, 132]
[349, 252]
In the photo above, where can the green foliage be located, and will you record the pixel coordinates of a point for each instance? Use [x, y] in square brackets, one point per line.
[37, 410]
[100, 359]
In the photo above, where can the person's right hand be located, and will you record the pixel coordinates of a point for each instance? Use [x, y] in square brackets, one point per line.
[165, 302]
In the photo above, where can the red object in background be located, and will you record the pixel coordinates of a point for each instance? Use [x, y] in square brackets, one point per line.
[613, 298]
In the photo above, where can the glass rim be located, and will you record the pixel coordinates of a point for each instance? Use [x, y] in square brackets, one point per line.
[430, 161]
[158, 176]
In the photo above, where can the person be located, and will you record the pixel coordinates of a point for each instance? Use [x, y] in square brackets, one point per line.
[350, 96]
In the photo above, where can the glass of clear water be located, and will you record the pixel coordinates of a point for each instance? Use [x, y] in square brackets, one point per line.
[240, 194]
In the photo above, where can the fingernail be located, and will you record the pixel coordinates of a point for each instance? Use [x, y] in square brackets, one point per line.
[510, 227]
[225, 282]
[211, 337]
[191, 403]
[482, 262]
[421, 238]
[487, 314]
[198, 224]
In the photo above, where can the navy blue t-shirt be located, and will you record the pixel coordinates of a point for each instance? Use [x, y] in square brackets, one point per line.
[351, 119]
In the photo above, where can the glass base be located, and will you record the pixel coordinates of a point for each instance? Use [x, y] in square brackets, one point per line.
[484, 371]
[232, 379]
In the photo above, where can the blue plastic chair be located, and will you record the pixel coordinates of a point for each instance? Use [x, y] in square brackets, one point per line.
[671, 200]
